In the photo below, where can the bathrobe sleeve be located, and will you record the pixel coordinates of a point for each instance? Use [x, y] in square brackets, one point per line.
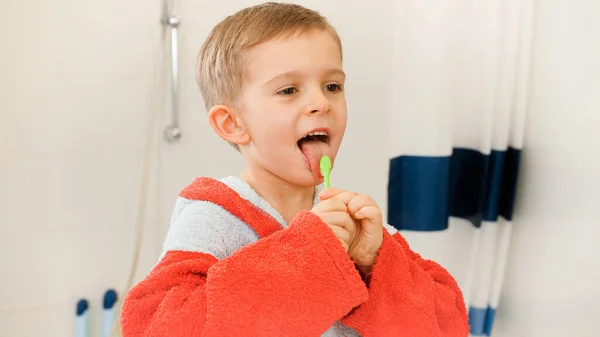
[297, 281]
[409, 296]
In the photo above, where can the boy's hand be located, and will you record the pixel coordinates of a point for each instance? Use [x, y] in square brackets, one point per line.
[366, 236]
[334, 213]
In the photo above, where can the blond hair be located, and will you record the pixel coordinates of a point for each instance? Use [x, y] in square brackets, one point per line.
[220, 65]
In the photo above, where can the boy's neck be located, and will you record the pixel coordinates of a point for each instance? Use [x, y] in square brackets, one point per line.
[288, 199]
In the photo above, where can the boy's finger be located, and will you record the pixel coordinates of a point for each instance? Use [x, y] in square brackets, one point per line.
[359, 201]
[345, 245]
[330, 205]
[334, 218]
[330, 192]
[368, 212]
[372, 215]
[339, 219]
[340, 233]
[342, 195]
[345, 197]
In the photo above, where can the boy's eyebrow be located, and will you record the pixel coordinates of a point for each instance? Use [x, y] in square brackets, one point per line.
[335, 71]
[291, 74]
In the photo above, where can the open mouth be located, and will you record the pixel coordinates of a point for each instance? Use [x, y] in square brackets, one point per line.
[318, 136]
[314, 146]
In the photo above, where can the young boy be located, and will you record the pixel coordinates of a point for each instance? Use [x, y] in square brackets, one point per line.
[260, 254]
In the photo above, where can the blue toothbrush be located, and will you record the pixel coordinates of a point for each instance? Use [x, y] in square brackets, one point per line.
[82, 320]
[108, 312]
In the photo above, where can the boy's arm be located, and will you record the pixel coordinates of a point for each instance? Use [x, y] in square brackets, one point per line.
[298, 280]
[409, 296]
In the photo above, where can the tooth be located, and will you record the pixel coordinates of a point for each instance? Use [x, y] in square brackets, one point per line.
[318, 133]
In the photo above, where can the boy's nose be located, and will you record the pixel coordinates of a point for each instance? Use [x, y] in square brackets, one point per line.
[319, 104]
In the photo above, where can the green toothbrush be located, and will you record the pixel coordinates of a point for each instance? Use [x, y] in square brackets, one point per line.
[326, 170]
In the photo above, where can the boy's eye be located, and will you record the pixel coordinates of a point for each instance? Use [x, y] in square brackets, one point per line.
[288, 91]
[333, 87]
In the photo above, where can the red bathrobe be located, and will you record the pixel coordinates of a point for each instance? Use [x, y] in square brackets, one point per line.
[294, 281]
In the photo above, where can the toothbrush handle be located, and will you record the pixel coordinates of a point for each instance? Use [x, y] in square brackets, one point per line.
[108, 316]
[82, 325]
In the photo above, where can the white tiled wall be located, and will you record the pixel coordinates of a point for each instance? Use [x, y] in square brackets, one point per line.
[76, 93]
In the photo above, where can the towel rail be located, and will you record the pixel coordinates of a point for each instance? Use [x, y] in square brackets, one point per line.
[172, 132]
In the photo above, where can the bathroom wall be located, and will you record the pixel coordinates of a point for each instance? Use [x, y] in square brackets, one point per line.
[77, 90]
[552, 287]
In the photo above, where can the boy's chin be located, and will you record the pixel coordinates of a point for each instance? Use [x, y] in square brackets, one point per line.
[306, 180]
[313, 181]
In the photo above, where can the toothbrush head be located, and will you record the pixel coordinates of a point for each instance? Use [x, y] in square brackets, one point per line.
[110, 298]
[326, 170]
[82, 307]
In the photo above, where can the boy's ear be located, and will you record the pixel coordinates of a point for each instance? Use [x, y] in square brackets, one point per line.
[224, 120]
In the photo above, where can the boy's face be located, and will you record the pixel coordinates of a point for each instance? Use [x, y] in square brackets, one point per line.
[294, 88]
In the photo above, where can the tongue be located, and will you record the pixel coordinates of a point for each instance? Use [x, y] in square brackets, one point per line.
[313, 151]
